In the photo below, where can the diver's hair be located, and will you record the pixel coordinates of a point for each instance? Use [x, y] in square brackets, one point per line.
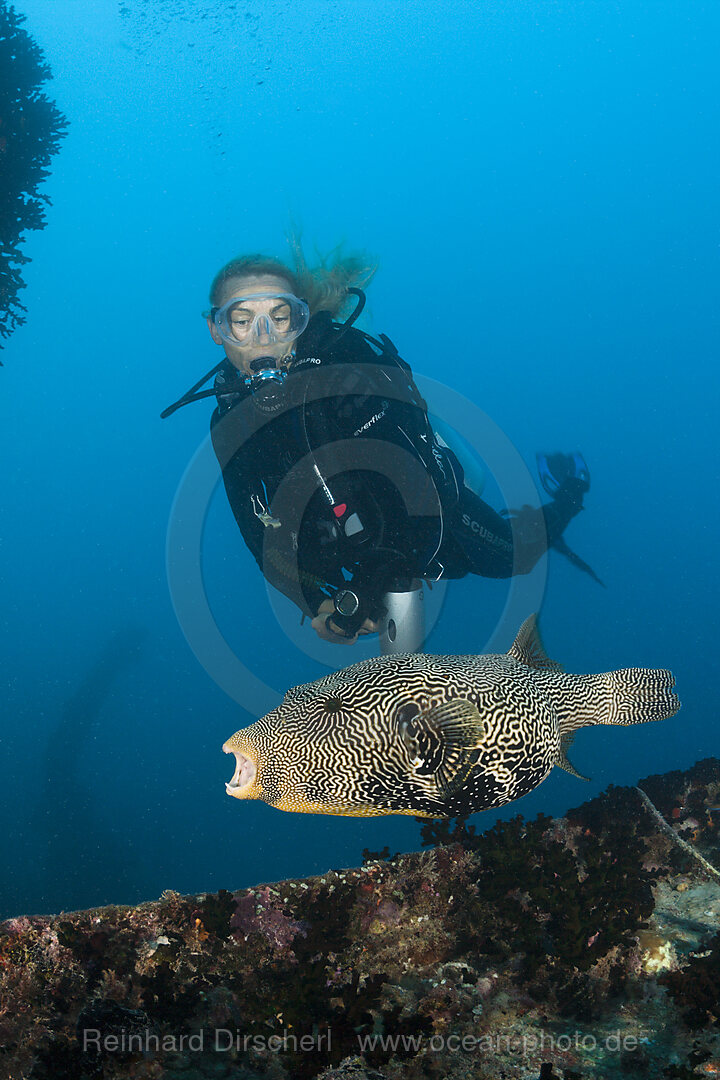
[323, 287]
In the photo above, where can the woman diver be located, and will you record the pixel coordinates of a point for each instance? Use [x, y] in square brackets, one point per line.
[337, 481]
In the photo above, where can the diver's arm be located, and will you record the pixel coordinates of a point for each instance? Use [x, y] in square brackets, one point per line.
[239, 497]
[281, 571]
[248, 510]
[278, 566]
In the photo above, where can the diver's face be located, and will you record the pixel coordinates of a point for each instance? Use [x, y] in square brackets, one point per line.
[241, 356]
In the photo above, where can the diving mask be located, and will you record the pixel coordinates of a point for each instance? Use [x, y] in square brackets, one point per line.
[260, 319]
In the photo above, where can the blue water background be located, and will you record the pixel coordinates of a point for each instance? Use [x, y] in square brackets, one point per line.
[539, 182]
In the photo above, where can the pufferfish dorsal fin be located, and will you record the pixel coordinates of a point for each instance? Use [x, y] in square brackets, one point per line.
[563, 761]
[442, 742]
[528, 649]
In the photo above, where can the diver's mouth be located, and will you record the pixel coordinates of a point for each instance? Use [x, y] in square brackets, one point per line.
[244, 775]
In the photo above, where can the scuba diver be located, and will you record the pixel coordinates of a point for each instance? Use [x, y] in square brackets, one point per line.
[339, 485]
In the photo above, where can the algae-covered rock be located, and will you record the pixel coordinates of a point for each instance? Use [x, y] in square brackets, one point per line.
[581, 947]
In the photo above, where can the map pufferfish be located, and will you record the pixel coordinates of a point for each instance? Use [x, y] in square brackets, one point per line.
[434, 736]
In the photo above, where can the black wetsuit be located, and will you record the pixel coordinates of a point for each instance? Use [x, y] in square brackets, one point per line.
[336, 479]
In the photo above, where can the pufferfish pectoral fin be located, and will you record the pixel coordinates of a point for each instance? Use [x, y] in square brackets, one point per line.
[528, 649]
[563, 761]
[442, 743]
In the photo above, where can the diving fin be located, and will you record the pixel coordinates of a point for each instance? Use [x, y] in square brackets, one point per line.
[555, 469]
[561, 546]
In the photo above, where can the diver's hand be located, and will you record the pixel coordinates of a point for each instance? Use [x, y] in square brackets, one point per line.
[323, 626]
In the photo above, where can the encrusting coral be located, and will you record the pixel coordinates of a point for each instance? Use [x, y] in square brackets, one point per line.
[583, 947]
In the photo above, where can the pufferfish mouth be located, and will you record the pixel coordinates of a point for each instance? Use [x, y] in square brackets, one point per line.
[245, 772]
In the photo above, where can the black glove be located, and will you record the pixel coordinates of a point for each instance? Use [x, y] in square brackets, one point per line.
[349, 615]
[361, 598]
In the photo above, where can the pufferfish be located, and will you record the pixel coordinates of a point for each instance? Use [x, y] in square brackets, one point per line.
[434, 736]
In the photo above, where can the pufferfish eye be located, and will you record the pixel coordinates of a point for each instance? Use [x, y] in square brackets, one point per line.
[403, 718]
[406, 713]
[332, 705]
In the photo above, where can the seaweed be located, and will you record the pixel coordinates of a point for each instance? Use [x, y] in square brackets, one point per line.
[694, 988]
[31, 128]
[384, 855]
[168, 995]
[552, 905]
[446, 831]
[215, 913]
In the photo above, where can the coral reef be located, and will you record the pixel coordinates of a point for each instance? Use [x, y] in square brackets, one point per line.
[30, 131]
[557, 949]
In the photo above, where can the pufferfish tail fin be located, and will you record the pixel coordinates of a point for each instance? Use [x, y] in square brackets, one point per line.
[639, 695]
[629, 696]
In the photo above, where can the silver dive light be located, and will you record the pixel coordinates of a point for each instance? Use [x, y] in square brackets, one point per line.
[402, 629]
